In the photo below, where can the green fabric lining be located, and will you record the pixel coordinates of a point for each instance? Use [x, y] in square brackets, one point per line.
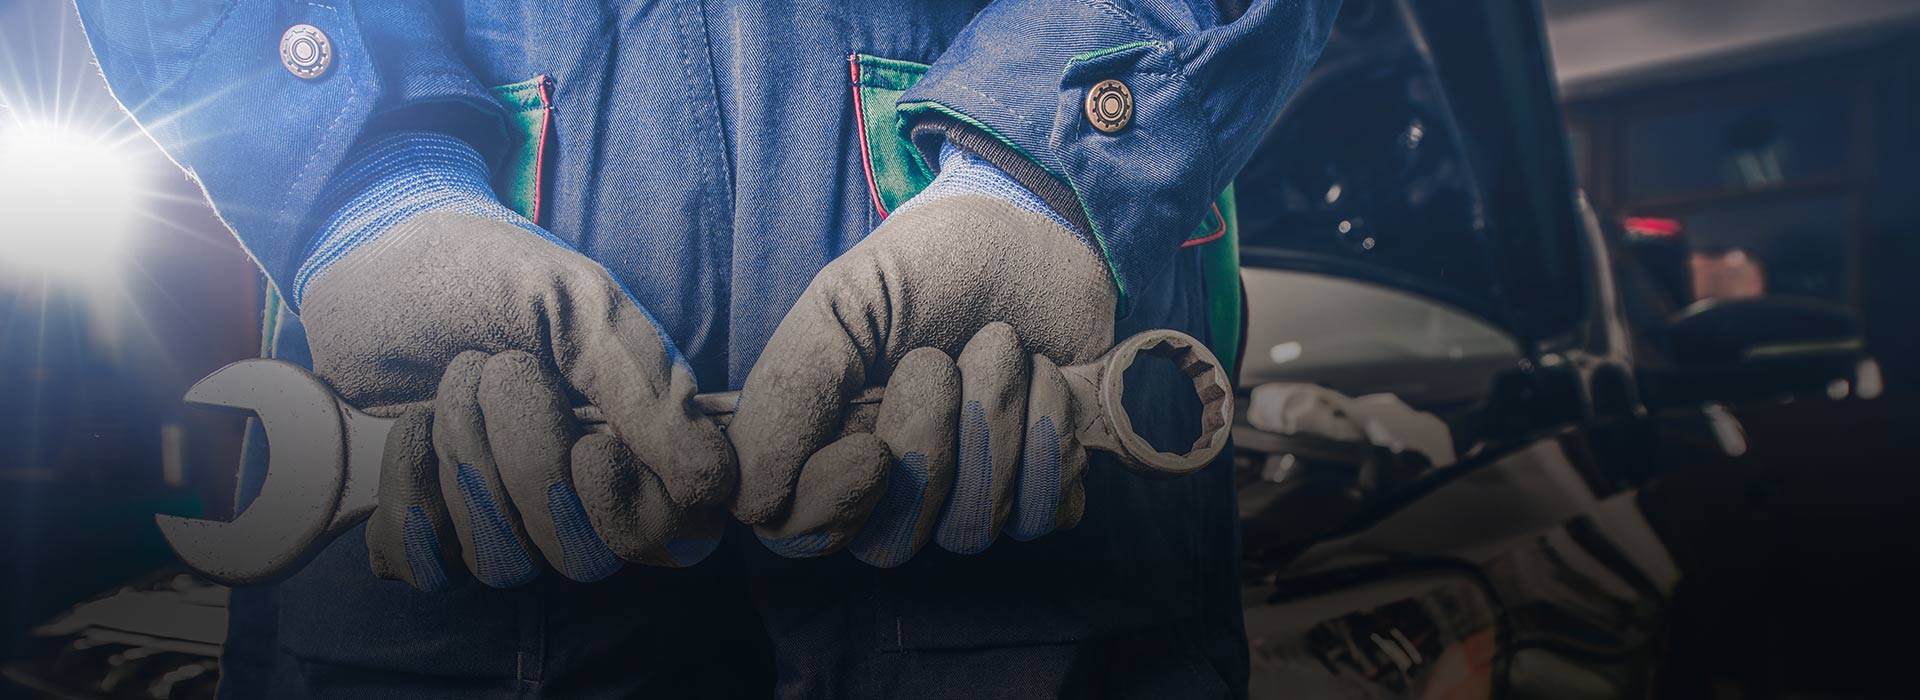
[1213, 222]
[889, 73]
[895, 166]
[518, 182]
[1220, 275]
[1096, 53]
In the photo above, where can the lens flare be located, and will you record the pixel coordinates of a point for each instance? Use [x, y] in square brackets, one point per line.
[71, 200]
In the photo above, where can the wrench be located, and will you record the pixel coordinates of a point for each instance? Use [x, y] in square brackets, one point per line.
[323, 471]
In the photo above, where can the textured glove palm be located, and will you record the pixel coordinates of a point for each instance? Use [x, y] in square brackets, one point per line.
[962, 450]
[477, 331]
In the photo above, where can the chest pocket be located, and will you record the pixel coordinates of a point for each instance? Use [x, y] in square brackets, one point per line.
[529, 107]
[894, 169]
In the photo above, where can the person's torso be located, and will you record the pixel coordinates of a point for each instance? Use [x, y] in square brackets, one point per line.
[707, 153]
[714, 156]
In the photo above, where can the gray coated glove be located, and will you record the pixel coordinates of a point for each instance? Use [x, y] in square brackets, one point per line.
[962, 449]
[478, 332]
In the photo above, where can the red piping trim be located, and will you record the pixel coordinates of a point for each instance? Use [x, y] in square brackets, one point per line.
[1217, 233]
[540, 155]
[860, 122]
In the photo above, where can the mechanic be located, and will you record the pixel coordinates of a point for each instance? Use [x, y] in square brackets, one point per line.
[473, 216]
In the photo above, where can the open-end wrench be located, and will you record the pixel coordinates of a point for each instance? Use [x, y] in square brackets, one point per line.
[323, 469]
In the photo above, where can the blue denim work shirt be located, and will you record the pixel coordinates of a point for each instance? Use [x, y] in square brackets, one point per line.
[713, 155]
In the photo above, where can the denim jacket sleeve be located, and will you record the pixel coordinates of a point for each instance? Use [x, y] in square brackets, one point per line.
[205, 80]
[1204, 89]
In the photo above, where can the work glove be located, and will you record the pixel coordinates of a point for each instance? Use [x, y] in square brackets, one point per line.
[427, 300]
[965, 303]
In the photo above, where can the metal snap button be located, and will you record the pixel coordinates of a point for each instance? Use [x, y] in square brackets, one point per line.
[1109, 106]
[306, 51]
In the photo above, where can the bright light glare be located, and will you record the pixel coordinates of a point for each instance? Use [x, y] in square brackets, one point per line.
[68, 201]
[1286, 352]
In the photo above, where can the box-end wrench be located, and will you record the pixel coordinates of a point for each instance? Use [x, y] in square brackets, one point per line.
[323, 466]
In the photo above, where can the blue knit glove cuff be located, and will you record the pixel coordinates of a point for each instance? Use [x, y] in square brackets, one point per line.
[391, 180]
[965, 173]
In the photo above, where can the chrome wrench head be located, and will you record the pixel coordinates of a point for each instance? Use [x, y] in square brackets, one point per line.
[1114, 431]
[306, 472]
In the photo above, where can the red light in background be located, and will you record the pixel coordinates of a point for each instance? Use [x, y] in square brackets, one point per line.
[1652, 227]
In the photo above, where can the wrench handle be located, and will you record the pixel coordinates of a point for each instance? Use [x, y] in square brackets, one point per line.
[324, 473]
[1097, 388]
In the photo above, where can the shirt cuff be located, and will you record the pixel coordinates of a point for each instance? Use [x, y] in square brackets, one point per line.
[1019, 74]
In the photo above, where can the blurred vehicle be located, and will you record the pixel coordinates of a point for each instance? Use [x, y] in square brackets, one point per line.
[1766, 147]
[158, 637]
[1755, 148]
[1417, 253]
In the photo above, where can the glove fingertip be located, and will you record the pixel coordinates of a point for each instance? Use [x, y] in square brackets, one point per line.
[968, 522]
[921, 403]
[696, 536]
[765, 487]
[404, 541]
[425, 561]
[929, 364]
[687, 551]
[790, 409]
[583, 556]
[805, 546]
[499, 559]
[836, 492]
[701, 470]
[894, 532]
[849, 475]
[625, 504]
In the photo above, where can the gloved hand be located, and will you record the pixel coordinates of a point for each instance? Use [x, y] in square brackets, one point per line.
[962, 450]
[428, 300]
